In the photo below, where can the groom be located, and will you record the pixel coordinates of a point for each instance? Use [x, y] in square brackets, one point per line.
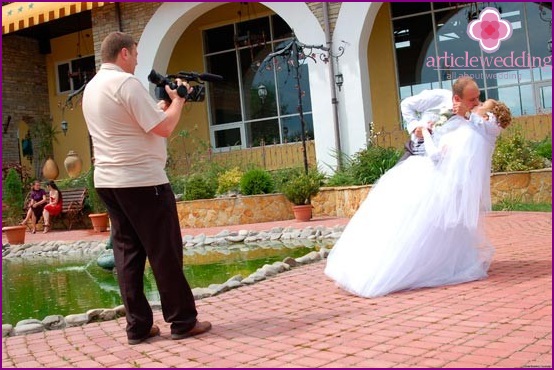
[415, 109]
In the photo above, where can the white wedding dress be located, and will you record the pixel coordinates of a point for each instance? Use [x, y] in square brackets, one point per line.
[421, 224]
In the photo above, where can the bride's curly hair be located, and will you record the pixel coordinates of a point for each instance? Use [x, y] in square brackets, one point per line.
[502, 113]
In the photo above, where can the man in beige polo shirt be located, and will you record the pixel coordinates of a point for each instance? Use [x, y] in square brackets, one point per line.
[129, 133]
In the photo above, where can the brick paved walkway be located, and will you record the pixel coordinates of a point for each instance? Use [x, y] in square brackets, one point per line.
[300, 319]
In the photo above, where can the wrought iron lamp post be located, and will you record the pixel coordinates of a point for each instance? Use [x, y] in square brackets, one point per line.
[294, 52]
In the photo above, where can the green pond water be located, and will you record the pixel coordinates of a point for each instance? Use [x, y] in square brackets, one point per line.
[38, 287]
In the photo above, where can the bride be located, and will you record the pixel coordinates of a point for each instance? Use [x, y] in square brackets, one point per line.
[421, 224]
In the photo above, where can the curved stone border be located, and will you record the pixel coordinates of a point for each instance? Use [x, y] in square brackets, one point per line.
[196, 244]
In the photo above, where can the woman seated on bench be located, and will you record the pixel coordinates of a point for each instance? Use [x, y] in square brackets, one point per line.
[36, 205]
[53, 208]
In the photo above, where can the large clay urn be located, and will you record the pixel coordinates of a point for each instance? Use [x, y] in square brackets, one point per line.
[73, 164]
[50, 169]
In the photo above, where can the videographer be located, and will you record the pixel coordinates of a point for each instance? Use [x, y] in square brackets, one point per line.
[128, 133]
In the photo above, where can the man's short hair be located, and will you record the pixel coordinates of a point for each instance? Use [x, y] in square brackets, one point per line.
[460, 84]
[112, 45]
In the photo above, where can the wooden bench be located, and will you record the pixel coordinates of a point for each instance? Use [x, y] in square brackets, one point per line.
[72, 209]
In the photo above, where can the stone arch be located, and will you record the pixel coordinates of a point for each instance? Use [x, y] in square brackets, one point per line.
[171, 19]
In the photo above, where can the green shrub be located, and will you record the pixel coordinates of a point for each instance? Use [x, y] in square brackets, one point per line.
[543, 148]
[229, 180]
[366, 166]
[256, 181]
[12, 197]
[284, 175]
[515, 153]
[178, 184]
[300, 189]
[96, 204]
[198, 187]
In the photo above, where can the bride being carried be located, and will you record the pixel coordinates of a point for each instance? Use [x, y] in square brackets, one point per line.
[421, 224]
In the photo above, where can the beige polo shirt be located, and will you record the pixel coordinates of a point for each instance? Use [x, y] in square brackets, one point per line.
[120, 115]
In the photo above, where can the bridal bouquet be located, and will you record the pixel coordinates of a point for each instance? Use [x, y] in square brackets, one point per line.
[443, 116]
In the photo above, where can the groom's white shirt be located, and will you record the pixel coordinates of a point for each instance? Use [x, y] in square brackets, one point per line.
[415, 108]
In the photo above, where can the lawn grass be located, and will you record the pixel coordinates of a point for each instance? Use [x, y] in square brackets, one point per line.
[507, 205]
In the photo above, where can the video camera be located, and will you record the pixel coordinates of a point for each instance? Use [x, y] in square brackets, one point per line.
[198, 91]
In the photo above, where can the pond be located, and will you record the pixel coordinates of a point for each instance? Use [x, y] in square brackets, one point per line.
[38, 287]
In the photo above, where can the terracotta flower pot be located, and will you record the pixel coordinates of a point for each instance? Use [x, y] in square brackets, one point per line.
[99, 221]
[15, 234]
[302, 212]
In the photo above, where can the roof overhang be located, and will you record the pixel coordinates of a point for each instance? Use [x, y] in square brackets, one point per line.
[20, 15]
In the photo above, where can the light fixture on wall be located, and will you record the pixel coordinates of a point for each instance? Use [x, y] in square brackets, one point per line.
[339, 80]
[72, 99]
[64, 125]
[6, 125]
[262, 92]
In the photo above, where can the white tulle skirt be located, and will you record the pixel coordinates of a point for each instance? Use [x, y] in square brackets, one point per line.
[420, 226]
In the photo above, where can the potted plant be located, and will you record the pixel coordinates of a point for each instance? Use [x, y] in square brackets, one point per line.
[12, 207]
[300, 189]
[99, 216]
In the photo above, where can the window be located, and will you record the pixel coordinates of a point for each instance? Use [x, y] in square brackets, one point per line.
[257, 103]
[437, 33]
[73, 74]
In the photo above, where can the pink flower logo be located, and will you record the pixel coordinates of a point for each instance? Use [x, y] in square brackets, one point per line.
[490, 30]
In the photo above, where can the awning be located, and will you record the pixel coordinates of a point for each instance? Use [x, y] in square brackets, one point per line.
[20, 15]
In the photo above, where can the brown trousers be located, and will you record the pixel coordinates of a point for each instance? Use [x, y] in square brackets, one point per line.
[145, 224]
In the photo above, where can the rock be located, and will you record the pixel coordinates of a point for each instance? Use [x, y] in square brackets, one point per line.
[28, 329]
[54, 322]
[106, 260]
[236, 238]
[108, 314]
[120, 310]
[290, 261]
[28, 322]
[94, 314]
[218, 288]
[200, 293]
[76, 319]
[7, 330]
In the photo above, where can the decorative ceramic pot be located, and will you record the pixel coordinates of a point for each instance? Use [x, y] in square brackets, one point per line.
[50, 169]
[73, 164]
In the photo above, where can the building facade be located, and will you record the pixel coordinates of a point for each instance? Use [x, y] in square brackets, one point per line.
[331, 74]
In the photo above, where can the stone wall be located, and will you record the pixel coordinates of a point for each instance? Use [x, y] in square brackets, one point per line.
[528, 186]
[234, 211]
[129, 17]
[24, 90]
